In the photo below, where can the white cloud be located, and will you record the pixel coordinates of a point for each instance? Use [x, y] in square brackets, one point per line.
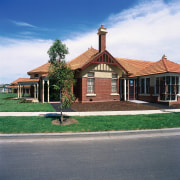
[146, 32]
[25, 24]
[17, 57]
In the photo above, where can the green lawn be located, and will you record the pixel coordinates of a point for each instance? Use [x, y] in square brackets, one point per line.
[89, 124]
[11, 105]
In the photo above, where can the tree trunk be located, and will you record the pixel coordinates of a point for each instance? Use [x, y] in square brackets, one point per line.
[61, 115]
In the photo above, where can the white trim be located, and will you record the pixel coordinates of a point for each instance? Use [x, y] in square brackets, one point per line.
[114, 94]
[42, 90]
[124, 89]
[90, 95]
[48, 90]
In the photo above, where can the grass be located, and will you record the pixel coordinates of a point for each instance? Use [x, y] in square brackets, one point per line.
[12, 105]
[89, 124]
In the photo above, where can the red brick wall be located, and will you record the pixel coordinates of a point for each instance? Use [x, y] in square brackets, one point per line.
[148, 98]
[102, 91]
[175, 102]
[102, 42]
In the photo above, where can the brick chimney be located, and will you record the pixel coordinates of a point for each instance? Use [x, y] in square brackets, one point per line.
[102, 38]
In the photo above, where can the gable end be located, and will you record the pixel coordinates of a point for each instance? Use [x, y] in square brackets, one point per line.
[103, 58]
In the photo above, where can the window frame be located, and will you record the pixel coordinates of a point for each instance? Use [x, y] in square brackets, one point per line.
[167, 87]
[145, 84]
[90, 83]
[114, 83]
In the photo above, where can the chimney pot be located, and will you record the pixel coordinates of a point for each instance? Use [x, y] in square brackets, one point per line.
[164, 57]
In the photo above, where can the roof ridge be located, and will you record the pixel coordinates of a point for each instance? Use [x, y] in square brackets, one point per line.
[165, 64]
[133, 59]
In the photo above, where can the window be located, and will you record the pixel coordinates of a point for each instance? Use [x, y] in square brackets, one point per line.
[157, 86]
[90, 83]
[167, 87]
[145, 85]
[114, 83]
[142, 86]
[36, 75]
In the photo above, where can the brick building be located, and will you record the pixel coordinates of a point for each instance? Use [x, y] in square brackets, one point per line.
[102, 77]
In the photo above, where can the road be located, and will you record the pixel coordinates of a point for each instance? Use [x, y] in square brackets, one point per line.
[120, 159]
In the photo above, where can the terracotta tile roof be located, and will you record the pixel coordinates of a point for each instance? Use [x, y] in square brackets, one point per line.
[27, 86]
[29, 80]
[161, 66]
[12, 86]
[24, 80]
[18, 80]
[41, 69]
[132, 66]
[84, 58]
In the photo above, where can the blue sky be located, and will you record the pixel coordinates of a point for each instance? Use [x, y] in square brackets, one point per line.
[137, 29]
[56, 18]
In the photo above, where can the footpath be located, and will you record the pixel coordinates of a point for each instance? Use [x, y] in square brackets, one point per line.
[90, 113]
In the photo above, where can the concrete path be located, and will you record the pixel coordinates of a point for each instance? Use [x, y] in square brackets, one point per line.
[93, 113]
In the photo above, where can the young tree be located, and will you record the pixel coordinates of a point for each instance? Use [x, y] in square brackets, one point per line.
[60, 74]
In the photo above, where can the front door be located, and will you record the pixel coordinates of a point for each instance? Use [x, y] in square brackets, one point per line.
[128, 89]
[132, 89]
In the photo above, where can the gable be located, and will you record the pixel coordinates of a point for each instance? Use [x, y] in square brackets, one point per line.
[103, 58]
[100, 71]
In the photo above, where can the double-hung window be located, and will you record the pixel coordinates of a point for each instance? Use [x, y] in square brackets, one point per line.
[90, 83]
[114, 83]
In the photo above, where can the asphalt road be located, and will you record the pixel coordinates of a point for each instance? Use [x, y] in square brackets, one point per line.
[121, 159]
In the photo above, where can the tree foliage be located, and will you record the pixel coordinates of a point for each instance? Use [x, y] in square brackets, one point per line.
[60, 74]
[62, 79]
[57, 51]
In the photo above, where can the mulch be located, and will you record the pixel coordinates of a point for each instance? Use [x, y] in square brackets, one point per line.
[112, 106]
[66, 121]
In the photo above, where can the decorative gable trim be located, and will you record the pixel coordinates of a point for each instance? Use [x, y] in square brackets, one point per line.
[104, 58]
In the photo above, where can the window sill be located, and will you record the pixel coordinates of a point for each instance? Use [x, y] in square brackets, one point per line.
[114, 94]
[90, 95]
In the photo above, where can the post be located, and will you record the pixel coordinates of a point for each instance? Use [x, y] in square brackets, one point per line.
[18, 91]
[128, 89]
[34, 91]
[42, 90]
[48, 90]
[61, 118]
[37, 91]
[124, 89]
